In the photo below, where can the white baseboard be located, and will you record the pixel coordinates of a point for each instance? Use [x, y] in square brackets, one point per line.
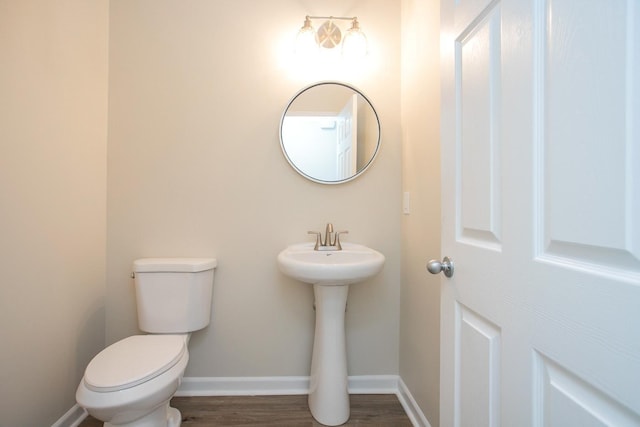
[72, 418]
[264, 386]
[410, 406]
[242, 386]
[256, 386]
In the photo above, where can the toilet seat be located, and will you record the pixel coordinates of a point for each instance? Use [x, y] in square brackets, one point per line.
[133, 361]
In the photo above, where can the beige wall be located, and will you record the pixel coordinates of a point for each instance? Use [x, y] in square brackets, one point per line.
[420, 301]
[195, 169]
[53, 106]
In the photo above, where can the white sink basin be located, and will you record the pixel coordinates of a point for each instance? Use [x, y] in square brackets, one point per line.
[352, 264]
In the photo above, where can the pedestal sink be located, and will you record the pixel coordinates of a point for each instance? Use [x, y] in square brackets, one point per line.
[330, 273]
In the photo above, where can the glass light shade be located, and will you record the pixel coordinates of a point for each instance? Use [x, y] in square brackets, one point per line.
[354, 43]
[306, 40]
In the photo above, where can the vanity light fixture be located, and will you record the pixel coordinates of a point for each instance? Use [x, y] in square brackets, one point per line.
[354, 43]
[307, 40]
[329, 36]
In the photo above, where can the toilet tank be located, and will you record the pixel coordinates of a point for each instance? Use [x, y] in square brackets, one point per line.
[173, 295]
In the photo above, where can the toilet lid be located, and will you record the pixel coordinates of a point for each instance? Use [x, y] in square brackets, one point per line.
[132, 361]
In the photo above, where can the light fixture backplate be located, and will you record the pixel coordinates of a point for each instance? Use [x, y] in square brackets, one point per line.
[329, 35]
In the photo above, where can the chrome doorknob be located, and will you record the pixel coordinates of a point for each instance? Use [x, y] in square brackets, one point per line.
[446, 266]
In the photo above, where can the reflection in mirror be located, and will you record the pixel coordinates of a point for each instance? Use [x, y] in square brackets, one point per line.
[330, 133]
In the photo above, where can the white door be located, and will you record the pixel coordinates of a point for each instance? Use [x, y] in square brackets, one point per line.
[541, 213]
[347, 146]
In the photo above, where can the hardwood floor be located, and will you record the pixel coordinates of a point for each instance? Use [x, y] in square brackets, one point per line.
[374, 410]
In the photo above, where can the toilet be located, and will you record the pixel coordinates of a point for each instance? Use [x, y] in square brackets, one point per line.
[131, 382]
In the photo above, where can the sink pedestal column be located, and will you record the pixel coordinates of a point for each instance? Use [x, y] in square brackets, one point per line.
[328, 394]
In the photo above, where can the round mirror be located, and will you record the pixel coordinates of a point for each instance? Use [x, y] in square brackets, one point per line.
[330, 133]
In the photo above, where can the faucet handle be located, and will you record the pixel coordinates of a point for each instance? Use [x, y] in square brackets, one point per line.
[318, 239]
[337, 242]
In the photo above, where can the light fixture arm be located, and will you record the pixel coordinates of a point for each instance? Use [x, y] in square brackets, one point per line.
[343, 18]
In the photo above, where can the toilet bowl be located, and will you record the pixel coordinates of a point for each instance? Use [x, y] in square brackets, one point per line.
[131, 382]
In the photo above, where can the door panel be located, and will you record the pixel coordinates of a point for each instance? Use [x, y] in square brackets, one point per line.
[563, 399]
[541, 213]
[589, 110]
[478, 370]
[466, 11]
[479, 185]
[347, 147]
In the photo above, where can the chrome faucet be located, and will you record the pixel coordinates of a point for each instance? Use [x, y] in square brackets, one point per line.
[331, 240]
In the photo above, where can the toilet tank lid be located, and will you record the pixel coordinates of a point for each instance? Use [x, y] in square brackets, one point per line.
[158, 265]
